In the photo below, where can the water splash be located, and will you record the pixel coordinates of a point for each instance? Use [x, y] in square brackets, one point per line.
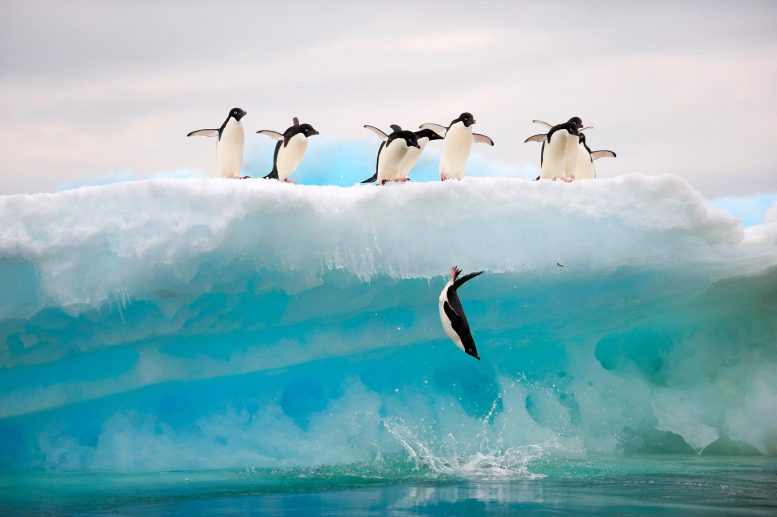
[451, 458]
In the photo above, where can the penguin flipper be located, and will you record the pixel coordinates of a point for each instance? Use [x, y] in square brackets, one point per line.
[456, 320]
[204, 132]
[469, 276]
[602, 154]
[272, 134]
[535, 138]
[383, 136]
[482, 139]
[542, 123]
[437, 128]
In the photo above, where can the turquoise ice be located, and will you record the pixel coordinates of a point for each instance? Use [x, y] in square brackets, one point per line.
[217, 324]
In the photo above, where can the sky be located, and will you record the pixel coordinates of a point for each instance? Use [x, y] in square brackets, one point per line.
[94, 91]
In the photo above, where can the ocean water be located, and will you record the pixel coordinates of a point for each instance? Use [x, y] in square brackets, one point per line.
[636, 485]
[219, 347]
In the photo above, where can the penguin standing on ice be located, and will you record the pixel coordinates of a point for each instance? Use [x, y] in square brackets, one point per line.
[457, 145]
[584, 166]
[452, 316]
[559, 153]
[424, 136]
[289, 150]
[391, 152]
[229, 149]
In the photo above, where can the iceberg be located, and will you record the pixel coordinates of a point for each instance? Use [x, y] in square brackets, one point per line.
[208, 323]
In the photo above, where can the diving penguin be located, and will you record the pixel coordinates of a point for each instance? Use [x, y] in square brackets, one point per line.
[452, 316]
[289, 150]
[584, 167]
[391, 152]
[229, 149]
[456, 145]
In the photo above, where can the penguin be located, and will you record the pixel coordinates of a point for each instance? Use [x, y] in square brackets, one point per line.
[584, 167]
[229, 149]
[289, 150]
[424, 136]
[541, 137]
[454, 321]
[457, 144]
[559, 149]
[391, 152]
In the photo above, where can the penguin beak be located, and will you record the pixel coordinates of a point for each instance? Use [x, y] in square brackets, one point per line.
[416, 145]
[314, 133]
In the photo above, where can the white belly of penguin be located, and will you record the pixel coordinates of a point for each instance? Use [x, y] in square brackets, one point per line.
[446, 323]
[390, 158]
[569, 162]
[410, 159]
[554, 155]
[455, 151]
[229, 151]
[584, 167]
[290, 156]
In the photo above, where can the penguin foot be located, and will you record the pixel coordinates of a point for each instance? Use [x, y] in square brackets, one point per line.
[443, 177]
[243, 177]
[287, 180]
[568, 180]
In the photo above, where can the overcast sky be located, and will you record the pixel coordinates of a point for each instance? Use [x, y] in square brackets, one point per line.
[96, 88]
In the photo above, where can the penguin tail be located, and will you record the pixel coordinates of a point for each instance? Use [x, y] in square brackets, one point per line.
[273, 175]
[371, 179]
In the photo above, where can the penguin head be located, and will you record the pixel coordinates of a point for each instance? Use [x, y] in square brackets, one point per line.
[410, 139]
[427, 133]
[237, 113]
[470, 348]
[306, 129]
[575, 124]
[466, 118]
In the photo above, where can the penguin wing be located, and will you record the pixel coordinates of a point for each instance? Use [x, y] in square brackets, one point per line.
[204, 132]
[482, 139]
[383, 136]
[456, 320]
[272, 134]
[535, 138]
[602, 154]
[437, 128]
[542, 123]
[461, 327]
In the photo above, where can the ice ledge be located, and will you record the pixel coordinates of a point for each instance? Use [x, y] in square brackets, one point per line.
[85, 245]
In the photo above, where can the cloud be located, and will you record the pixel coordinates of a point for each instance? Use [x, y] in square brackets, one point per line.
[120, 91]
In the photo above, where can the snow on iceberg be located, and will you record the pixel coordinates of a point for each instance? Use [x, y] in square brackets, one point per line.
[211, 323]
